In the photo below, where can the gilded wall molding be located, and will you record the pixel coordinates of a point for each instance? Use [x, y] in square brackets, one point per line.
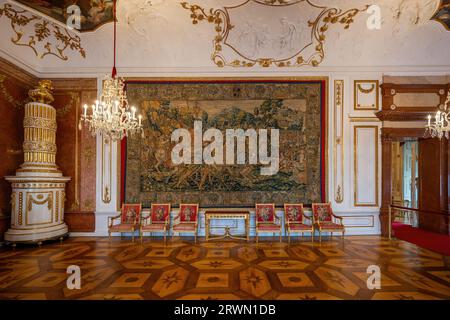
[366, 95]
[40, 41]
[338, 146]
[356, 202]
[295, 43]
[17, 104]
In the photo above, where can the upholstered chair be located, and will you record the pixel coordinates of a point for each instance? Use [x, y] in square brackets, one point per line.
[187, 219]
[129, 220]
[325, 220]
[157, 221]
[294, 218]
[266, 219]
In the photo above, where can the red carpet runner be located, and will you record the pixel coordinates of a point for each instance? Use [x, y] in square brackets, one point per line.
[432, 241]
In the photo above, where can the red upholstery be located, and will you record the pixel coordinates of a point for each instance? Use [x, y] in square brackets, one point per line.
[294, 212]
[188, 212]
[131, 214]
[265, 212]
[186, 226]
[159, 212]
[299, 227]
[322, 212]
[123, 227]
[269, 227]
[330, 226]
[153, 227]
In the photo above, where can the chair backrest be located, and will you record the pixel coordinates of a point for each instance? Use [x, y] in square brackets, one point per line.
[131, 213]
[159, 212]
[188, 212]
[265, 212]
[322, 212]
[293, 212]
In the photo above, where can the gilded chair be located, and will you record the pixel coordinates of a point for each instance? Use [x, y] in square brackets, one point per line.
[187, 220]
[325, 220]
[157, 221]
[294, 220]
[266, 219]
[129, 216]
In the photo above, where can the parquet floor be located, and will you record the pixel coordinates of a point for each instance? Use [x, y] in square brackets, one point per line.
[224, 270]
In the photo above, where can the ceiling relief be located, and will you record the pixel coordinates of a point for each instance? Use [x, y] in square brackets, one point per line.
[46, 38]
[94, 13]
[285, 33]
[442, 15]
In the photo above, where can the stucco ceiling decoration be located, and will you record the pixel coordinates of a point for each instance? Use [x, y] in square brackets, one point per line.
[285, 33]
[94, 13]
[442, 14]
[43, 37]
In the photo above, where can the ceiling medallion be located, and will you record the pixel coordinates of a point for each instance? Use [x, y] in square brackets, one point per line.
[45, 32]
[277, 36]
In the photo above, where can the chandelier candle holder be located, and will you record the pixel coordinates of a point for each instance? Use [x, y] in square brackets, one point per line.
[111, 116]
[441, 126]
[38, 188]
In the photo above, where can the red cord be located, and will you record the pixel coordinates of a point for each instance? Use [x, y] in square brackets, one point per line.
[114, 70]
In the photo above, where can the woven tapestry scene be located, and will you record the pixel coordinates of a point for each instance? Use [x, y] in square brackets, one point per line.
[294, 108]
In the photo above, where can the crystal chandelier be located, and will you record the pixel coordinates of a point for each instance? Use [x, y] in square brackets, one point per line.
[441, 126]
[111, 116]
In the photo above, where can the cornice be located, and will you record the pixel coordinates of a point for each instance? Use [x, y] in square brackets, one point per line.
[9, 69]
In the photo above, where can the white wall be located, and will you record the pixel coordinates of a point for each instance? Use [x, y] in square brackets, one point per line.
[161, 41]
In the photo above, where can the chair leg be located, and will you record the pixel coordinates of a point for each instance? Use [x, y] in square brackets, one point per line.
[257, 237]
[195, 238]
[280, 236]
[289, 237]
[164, 236]
[320, 237]
[331, 237]
[142, 237]
[109, 235]
[312, 236]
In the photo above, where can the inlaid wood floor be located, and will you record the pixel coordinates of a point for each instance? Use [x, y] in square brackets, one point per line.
[224, 270]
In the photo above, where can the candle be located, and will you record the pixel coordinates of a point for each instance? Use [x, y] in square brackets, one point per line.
[85, 110]
[429, 120]
[133, 112]
[140, 118]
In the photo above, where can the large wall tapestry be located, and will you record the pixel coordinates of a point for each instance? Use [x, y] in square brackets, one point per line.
[296, 108]
[284, 33]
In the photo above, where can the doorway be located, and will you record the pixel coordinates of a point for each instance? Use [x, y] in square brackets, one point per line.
[405, 180]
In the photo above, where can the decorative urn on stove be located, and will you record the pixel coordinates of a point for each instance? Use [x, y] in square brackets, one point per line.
[38, 188]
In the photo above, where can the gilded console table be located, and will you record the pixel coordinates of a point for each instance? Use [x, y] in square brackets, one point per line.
[227, 215]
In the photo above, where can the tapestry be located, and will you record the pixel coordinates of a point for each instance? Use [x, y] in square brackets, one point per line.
[295, 108]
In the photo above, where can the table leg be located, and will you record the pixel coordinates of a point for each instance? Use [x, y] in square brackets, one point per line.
[206, 228]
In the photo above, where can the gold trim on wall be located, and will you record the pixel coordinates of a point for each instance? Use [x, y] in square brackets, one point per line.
[360, 217]
[357, 89]
[319, 25]
[54, 40]
[355, 166]
[106, 188]
[338, 140]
